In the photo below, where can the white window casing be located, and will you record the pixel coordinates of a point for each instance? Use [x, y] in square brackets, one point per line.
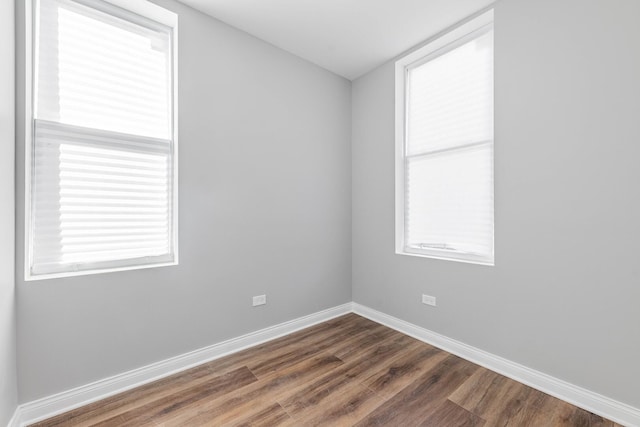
[444, 146]
[101, 137]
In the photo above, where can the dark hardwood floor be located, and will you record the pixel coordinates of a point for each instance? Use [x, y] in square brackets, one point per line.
[345, 372]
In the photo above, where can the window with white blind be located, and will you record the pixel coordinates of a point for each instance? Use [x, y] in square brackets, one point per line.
[102, 138]
[444, 146]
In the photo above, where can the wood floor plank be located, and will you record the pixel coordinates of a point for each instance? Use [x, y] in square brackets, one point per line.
[104, 409]
[89, 414]
[348, 332]
[321, 392]
[352, 348]
[271, 416]
[261, 394]
[492, 396]
[268, 363]
[413, 362]
[569, 415]
[542, 409]
[472, 392]
[450, 414]
[417, 401]
[344, 372]
[504, 402]
[177, 402]
[314, 339]
[345, 408]
[536, 409]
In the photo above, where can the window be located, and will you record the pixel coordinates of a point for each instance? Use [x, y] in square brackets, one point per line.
[102, 138]
[444, 146]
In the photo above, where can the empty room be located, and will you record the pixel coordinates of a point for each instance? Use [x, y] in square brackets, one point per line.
[320, 213]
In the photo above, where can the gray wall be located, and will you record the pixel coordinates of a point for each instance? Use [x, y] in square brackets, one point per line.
[265, 207]
[8, 384]
[563, 295]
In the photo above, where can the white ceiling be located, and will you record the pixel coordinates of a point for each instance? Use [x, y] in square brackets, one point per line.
[348, 37]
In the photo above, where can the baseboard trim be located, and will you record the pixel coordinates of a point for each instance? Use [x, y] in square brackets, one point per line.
[14, 421]
[62, 402]
[613, 410]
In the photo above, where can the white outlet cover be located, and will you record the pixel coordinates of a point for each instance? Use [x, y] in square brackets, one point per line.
[259, 300]
[429, 300]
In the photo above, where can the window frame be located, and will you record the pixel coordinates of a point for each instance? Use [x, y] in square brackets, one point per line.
[439, 45]
[146, 10]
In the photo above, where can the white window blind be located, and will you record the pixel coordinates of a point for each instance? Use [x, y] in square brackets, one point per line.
[447, 151]
[102, 156]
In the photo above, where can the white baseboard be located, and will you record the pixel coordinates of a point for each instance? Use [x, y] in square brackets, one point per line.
[13, 422]
[56, 404]
[611, 409]
[62, 402]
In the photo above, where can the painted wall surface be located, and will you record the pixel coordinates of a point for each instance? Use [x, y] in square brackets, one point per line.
[8, 382]
[563, 295]
[265, 208]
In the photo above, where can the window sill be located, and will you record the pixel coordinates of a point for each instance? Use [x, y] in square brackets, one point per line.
[448, 256]
[32, 278]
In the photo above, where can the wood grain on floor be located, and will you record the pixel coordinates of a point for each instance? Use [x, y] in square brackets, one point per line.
[345, 372]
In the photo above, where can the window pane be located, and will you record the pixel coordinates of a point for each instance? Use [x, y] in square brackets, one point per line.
[450, 98]
[99, 71]
[98, 198]
[449, 201]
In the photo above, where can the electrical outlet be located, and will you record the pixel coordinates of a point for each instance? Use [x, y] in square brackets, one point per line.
[259, 300]
[429, 300]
